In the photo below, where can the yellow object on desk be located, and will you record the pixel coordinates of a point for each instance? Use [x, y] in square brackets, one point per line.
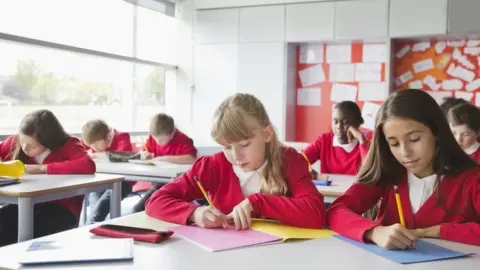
[14, 168]
[289, 232]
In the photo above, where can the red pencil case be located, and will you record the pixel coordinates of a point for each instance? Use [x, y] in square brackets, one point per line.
[138, 234]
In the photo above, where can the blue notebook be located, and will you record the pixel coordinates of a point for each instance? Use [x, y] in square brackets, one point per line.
[423, 252]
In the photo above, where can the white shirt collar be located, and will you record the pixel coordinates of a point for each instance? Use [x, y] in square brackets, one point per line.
[349, 147]
[420, 189]
[472, 148]
[40, 158]
[251, 181]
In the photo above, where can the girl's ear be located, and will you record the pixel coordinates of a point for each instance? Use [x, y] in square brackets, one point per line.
[268, 133]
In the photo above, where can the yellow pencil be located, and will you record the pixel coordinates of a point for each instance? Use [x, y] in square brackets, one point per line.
[306, 158]
[203, 191]
[399, 205]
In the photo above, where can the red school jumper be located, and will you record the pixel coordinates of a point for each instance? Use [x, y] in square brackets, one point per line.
[71, 158]
[476, 155]
[336, 160]
[459, 194]
[302, 206]
[180, 145]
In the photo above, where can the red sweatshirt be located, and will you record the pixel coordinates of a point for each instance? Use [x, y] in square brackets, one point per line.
[71, 158]
[180, 145]
[459, 194]
[476, 155]
[335, 160]
[120, 142]
[302, 207]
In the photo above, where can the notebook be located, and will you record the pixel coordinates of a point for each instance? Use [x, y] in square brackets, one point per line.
[142, 162]
[287, 232]
[220, 239]
[423, 252]
[78, 251]
[6, 181]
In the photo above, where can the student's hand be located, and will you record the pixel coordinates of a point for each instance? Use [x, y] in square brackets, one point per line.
[392, 237]
[241, 215]
[354, 133]
[145, 155]
[208, 217]
[35, 169]
[430, 232]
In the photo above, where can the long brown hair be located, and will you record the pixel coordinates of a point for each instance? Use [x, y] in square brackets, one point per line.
[231, 123]
[45, 128]
[382, 168]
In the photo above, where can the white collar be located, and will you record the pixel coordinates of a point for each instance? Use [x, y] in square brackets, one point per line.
[110, 135]
[428, 180]
[243, 175]
[40, 158]
[349, 147]
[472, 148]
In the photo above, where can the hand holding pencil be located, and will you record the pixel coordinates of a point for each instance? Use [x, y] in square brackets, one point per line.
[207, 216]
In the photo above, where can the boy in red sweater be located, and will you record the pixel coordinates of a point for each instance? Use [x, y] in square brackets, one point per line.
[101, 138]
[165, 143]
[438, 183]
[342, 150]
[44, 146]
[254, 176]
[464, 122]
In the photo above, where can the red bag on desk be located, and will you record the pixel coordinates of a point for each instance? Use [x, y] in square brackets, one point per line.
[138, 234]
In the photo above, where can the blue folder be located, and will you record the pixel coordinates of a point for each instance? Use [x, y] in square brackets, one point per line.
[423, 252]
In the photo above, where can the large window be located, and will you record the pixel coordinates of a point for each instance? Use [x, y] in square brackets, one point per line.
[94, 64]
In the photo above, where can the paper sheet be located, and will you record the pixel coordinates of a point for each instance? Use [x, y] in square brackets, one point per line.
[404, 78]
[311, 53]
[431, 82]
[309, 96]
[289, 232]
[372, 91]
[472, 51]
[440, 47]
[423, 65]
[374, 53]
[452, 84]
[341, 92]
[456, 43]
[369, 112]
[477, 99]
[461, 73]
[439, 96]
[368, 72]
[473, 43]
[464, 95]
[421, 46]
[472, 86]
[423, 252]
[462, 59]
[417, 84]
[311, 75]
[339, 53]
[341, 72]
[403, 51]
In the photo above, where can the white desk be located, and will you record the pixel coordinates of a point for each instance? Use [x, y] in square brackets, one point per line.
[179, 254]
[139, 172]
[340, 184]
[43, 188]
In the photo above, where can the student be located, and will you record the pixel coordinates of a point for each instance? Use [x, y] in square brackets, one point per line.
[254, 176]
[449, 102]
[44, 146]
[414, 149]
[340, 151]
[101, 138]
[464, 122]
[165, 143]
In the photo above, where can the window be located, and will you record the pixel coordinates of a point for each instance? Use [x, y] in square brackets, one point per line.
[100, 77]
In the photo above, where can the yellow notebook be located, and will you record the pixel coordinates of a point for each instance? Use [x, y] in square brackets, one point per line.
[289, 232]
[14, 168]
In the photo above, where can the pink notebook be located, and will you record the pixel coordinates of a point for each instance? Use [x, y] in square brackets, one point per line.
[223, 239]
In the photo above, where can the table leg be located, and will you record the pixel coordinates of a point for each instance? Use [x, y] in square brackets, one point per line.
[25, 219]
[115, 200]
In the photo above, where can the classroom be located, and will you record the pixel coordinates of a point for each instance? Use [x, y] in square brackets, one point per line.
[213, 134]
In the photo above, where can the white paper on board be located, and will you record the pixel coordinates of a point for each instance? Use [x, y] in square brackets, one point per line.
[372, 91]
[339, 53]
[374, 53]
[452, 84]
[311, 96]
[311, 53]
[472, 51]
[477, 99]
[440, 47]
[368, 72]
[472, 86]
[404, 78]
[464, 95]
[341, 92]
[403, 51]
[456, 43]
[439, 96]
[462, 73]
[369, 113]
[423, 65]
[341, 72]
[417, 84]
[421, 46]
[462, 59]
[431, 82]
[473, 43]
[311, 75]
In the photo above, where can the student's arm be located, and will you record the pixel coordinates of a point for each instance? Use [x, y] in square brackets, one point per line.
[185, 154]
[345, 214]
[173, 202]
[468, 232]
[183, 159]
[77, 160]
[313, 150]
[304, 208]
[365, 145]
